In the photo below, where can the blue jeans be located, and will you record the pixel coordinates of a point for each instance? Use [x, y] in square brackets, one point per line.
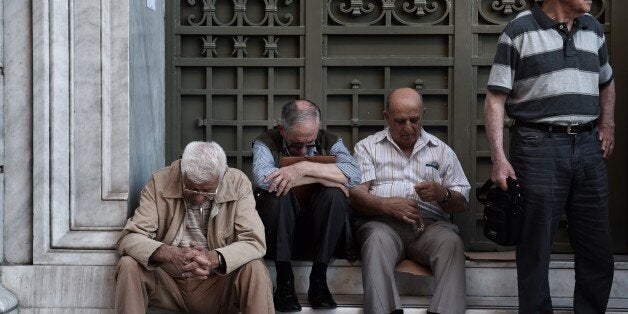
[561, 172]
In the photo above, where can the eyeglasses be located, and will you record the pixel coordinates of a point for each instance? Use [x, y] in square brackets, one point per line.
[207, 195]
[295, 146]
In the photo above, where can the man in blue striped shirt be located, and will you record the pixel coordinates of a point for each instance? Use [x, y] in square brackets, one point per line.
[551, 75]
[315, 226]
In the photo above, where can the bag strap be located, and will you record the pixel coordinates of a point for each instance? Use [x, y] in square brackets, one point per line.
[480, 193]
[515, 189]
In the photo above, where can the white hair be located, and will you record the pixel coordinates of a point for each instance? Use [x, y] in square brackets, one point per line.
[203, 161]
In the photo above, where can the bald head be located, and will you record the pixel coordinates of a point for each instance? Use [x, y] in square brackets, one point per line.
[404, 96]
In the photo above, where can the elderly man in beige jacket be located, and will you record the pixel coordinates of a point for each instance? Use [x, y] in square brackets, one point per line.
[194, 243]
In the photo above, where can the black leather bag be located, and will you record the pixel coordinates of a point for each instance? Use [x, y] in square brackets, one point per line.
[503, 212]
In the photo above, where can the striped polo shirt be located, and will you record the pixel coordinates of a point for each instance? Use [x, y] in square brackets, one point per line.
[392, 174]
[550, 74]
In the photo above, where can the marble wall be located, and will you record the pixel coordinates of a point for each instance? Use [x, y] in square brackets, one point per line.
[80, 130]
[18, 123]
[83, 107]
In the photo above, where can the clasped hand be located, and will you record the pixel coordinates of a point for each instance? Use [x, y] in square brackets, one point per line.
[196, 262]
[283, 179]
[430, 191]
[402, 208]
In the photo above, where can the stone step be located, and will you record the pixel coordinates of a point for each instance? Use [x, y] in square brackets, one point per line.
[352, 304]
[491, 283]
[491, 286]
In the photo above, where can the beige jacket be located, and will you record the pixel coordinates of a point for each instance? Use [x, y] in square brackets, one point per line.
[236, 231]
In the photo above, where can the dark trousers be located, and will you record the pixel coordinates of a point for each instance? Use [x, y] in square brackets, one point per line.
[562, 173]
[311, 228]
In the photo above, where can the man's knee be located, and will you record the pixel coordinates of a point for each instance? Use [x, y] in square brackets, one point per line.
[273, 205]
[254, 268]
[127, 264]
[335, 196]
[375, 239]
[451, 243]
[332, 192]
[331, 202]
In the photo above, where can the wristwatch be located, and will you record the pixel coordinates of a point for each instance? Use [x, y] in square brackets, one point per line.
[447, 197]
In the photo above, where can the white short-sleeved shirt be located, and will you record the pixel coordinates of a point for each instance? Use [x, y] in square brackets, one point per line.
[392, 174]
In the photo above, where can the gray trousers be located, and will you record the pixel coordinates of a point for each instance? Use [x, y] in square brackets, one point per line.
[385, 242]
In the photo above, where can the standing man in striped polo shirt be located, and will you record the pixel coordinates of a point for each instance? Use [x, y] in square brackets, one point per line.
[551, 75]
[411, 183]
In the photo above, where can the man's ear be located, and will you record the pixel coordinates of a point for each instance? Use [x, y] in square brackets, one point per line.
[385, 115]
[282, 130]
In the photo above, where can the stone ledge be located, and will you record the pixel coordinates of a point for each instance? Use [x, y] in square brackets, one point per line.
[502, 305]
[90, 288]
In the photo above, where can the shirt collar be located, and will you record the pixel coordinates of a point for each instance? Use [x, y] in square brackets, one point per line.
[547, 22]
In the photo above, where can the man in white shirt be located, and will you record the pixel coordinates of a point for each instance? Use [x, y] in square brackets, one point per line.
[411, 183]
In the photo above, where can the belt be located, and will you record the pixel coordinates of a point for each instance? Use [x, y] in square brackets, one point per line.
[552, 128]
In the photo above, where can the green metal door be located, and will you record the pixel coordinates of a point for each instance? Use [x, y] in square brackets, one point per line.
[232, 64]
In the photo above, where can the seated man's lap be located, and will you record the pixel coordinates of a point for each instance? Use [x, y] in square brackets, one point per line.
[440, 237]
[215, 292]
[379, 239]
[388, 239]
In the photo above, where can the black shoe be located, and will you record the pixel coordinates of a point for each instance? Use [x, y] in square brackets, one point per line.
[319, 296]
[285, 298]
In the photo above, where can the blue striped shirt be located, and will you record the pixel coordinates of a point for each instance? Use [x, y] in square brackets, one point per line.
[264, 164]
[550, 74]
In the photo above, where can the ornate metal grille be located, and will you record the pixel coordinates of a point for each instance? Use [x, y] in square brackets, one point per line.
[234, 63]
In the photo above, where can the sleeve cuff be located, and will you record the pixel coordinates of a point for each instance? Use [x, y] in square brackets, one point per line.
[497, 88]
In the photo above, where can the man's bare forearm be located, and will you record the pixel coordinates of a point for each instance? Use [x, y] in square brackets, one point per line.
[494, 122]
[364, 202]
[329, 172]
[607, 105]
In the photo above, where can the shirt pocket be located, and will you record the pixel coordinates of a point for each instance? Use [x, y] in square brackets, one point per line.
[431, 171]
[225, 226]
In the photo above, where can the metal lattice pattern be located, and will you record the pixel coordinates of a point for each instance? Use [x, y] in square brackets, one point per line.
[234, 63]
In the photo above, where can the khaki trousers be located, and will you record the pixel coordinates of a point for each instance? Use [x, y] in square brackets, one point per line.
[247, 289]
[385, 243]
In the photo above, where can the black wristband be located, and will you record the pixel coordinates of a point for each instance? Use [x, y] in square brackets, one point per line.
[221, 262]
[447, 197]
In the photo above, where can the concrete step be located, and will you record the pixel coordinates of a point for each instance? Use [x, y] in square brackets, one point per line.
[491, 285]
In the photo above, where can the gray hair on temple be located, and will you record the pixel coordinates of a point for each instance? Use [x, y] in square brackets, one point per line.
[203, 161]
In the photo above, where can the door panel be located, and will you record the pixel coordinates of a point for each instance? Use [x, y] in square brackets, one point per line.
[233, 64]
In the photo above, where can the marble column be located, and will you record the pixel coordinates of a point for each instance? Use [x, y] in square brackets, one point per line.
[77, 144]
[8, 301]
[80, 130]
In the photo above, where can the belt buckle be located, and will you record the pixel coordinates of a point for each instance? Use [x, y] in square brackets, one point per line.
[571, 127]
